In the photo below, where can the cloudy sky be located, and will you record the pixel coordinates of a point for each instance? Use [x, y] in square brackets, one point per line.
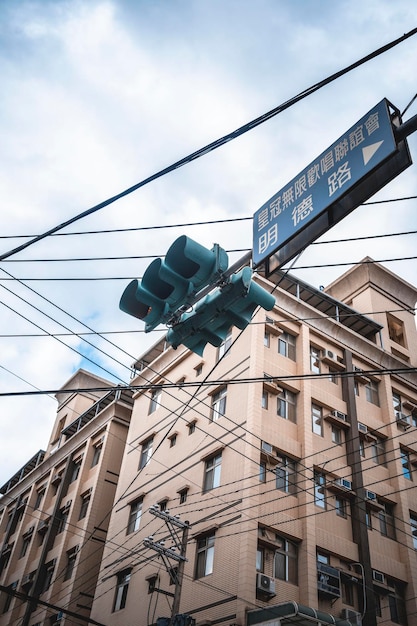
[99, 95]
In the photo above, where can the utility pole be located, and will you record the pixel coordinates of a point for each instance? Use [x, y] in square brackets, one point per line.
[176, 553]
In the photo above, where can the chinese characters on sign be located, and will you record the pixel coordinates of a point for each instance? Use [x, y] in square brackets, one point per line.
[324, 181]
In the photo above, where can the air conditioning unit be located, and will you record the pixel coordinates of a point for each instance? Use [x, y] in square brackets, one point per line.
[362, 428]
[341, 416]
[370, 495]
[344, 482]
[379, 577]
[402, 418]
[267, 447]
[352, 616]
[265, 584]
[328, 354]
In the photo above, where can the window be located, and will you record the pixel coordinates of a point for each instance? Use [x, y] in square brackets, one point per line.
[348, 593]
[25, 544]
[396, 402]
[413, 524]
[191, 428]
[218, 404]
[371, 391]
[267, 339]
[260, 558]
[341, 506]
[49, 572]
[71, 558]
[396, 602]
[405, 463]
[285, 560]
[122, 587]
[62, 519]
[212, 472]
[386, 521]
[224, 347]
[97, 448]
[286, 473]
[262, 472]
[286, 402]
[336, 435]
[134, 516]
[75, 469]
[39, 497]
[356, 388]
[286, 345]
[85, 501]
[377, 449]
[155, 399]
[278, 555]
[317, 419]
[172, 440]
[315, 360]
[199, 369]
[333, 376]
[163, 505]
[396, 330]
[319, 491]
[146, 453]
[264, 403]
[205, 555]
[183, 495]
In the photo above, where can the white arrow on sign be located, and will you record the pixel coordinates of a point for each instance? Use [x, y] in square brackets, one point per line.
[369, 151]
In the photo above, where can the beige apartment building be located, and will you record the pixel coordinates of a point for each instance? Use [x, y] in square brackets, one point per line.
[283, 467]
[54, 511]
[290, 452]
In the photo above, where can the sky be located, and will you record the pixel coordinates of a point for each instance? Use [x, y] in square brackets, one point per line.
[99, 95]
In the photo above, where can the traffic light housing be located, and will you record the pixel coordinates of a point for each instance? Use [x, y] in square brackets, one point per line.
[232, 304]
[170, 284]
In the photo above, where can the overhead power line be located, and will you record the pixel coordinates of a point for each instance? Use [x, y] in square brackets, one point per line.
[126, 278]
[154, 256]
[107, 231]
[210, 383]
[214, 145]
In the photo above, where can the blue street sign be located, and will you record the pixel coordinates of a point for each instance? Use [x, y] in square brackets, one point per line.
[331, 175]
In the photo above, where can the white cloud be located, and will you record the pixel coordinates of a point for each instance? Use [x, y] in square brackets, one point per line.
[97, 96]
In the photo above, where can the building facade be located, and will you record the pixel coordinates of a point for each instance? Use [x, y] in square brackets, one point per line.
[54, 511]
[291, 453]
[271, 481]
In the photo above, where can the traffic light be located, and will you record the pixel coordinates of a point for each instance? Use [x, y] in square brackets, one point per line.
[232, 304]
[168, 285]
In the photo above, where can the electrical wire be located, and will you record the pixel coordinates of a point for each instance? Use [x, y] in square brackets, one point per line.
[188, 224]
[215, 144]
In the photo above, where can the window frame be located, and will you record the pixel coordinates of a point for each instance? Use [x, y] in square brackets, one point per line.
[146, 452]
[155, 400]
[286, 405]
[218, 404]
[320, 499]
[224, 347]
[135, 515]
[212, 472]
[315, 363]
[121, 591]
[204, 561]
[317, 423]
[288, 468]
[287, 345]
[372, 392]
